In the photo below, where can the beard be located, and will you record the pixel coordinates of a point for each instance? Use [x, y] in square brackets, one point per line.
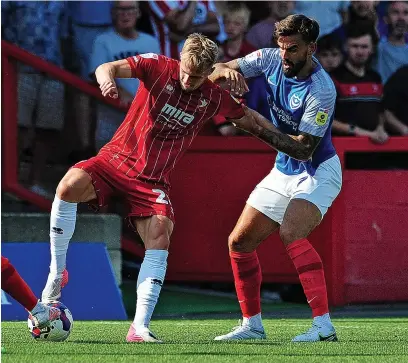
[358, 62]
[294, 68]
[399, 29]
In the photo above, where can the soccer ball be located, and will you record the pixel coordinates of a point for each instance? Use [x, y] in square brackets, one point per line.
[58, 330]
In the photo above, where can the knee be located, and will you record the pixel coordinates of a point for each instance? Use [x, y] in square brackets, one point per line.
[240, 243]
[67, 192]
[75, 187]
[287, 235]
[64, 191]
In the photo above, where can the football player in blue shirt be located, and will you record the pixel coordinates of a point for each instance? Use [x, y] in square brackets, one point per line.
[304, 181]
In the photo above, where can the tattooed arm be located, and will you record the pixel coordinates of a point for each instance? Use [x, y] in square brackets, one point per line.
[298, 147]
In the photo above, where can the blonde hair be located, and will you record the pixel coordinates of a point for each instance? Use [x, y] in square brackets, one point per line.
[199, 52]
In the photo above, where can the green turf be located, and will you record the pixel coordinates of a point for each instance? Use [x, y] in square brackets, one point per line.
[176, 303]
[361, 340]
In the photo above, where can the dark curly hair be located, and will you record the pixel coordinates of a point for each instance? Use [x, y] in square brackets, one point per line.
[298, 24]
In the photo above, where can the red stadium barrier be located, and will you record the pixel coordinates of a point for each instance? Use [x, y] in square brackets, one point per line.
[362, 240]
[217, 174]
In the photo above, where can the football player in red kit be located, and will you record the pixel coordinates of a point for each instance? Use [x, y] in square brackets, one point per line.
[174, 100]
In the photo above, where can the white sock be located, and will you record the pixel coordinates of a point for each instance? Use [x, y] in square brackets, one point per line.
[149, 284]
[37, 308]
[254, 321]
[323, 320]
[62, 226]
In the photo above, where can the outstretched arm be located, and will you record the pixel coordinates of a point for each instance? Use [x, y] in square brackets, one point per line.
[299, 147]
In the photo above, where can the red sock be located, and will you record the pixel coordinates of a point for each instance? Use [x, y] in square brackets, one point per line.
[311, 274]
[15, 286]
[247, 278]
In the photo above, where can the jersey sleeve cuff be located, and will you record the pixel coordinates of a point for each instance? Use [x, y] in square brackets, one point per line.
[244, 67]
[132, 63]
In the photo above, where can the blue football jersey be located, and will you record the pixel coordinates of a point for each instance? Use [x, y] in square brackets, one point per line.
[296, 105]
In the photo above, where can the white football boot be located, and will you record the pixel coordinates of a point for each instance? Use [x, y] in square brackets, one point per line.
[143, 335]
[322, 330]
[243, 332]
[43, 314]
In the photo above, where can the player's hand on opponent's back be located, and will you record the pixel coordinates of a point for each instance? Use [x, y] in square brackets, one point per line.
[108, 88]
[230, 79]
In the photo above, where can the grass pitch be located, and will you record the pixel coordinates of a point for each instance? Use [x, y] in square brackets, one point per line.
[361, 340]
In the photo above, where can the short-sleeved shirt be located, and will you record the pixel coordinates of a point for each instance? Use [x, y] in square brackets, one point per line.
[110, 46]
[163, 119]
[296, 105]
[358, 98]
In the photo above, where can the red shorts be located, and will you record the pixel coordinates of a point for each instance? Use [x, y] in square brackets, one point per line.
[141, 199]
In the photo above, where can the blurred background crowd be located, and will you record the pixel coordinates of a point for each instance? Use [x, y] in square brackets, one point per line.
[362, 44]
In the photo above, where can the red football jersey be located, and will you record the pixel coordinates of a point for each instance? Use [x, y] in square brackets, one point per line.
[163, 119]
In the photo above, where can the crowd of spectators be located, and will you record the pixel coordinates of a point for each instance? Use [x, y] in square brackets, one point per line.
[362, 44]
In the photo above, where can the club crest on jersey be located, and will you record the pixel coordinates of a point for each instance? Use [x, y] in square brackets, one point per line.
[295, 102]
[175, 116]
[322, 116]
[169, 88]
[203, 103]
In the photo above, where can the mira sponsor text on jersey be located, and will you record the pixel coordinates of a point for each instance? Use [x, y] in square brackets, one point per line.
[296, 106]
[163, 120]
